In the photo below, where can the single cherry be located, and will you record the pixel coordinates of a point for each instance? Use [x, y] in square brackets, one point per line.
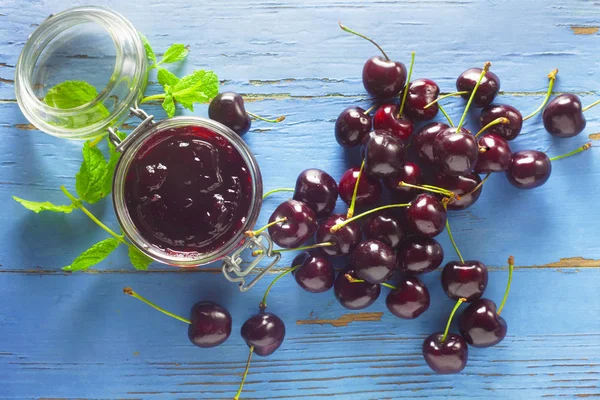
[315, 274]
[369, 188]
[384, 227]
[563, 116]
[426, 216]
[298, 223]
[373, 261]
[463, 186]
[507, 131]
[354, 295]
[387, 119]
[464, 279]
[455, 151]
[487, 90]
[410, 298]
[384, 155]
[265, 331]
[420, 93]
[529, 169]
[422, 142]
[345, 239]
[228, 109]
[419, 255]
[497, 155]
[318, 190]
[352, 125]
[410, 173]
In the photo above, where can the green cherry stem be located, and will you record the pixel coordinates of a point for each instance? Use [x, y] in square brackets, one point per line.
[552, 79]
[264, 228]
[272, 121]
[460, 257]
[446, 115]
[368, 110]
[511, 267]
[270, 192]
[453, 94]
[405, 91]
[309, 247]
[429, 188]
[239, 392]
[571, 153]
[130, 292]
[350, 212]
[263, 303]
[346, 29]
[497, 121]
[458, 303]
[584, 109]
[486, 68]
[352, 279]
[340, 225]
[480, 184]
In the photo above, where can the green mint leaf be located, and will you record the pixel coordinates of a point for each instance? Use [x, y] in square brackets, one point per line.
[166, 77]
[149, 52]
[198, 87]
[176, 52]
[168, 103]
[93, 255]
[113, 158]
[71, 94]
[37, 206]
[138, 259]
[90, 180]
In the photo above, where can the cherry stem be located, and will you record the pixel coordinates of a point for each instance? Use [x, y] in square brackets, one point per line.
[571, 153]
[346, 29]
[130, 292]
[239, 392]
[552, 78]
[446, 115]
[273, 121]
[270, 192]
[350, 212]
[263, 303]
[429, 188]
[458, 303]
[267, 226]
[480, 184]
[453, 242]
[584, 109]
[453, 94]
[486, 68]
[309, 247]
[340, 225]
[497, 121]
[352, 279]
[368, 110]
[405, 92]
[511, 267]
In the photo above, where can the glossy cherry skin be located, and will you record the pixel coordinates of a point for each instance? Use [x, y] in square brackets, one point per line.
[461, 186]
[369, 188]
[210, 324]
[419, 255]
[345, 239]
[383, 78]
[228, 108]
[507, 131]
[464, 279]
[497, 155]
[480, 324]
[265, 331]
[487, 90]
[420, 93]
[354, 295]
[447, 357]
[529, 169]
[410, 298]
[422, 142]
[410, 173]
[386, 118]
[563, 116]
[318, 190]
[316, 273]
[352, 125]
[455, 152]
[373, 261]
[301, 223]
[384, 155]
[384, 227]
[426, 216]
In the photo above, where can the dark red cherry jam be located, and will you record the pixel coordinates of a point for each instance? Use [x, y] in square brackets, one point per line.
[188, 189]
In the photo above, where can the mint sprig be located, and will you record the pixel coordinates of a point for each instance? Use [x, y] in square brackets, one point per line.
[93, 255]
[38, 206]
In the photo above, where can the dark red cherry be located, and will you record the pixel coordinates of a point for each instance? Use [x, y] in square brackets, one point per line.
[369, 188]
[464, 279]
[422, 142]
[228, 109]
[426, 216]
[318, 190]
[300, 224]
[384, 155]
[447, 357]
[410, 173]
[352, 126]
[410, 298]
[354, 295]
[461, 186]
[529, 169]
[383, 78]
[497, 154]
[507, 131]
[386, 118]
[345, 239]
[420, 93]
[419, 255]
[316, 273]
[455, 152]
[563, 116]
[480, 324]
[487, 90]
[210, 324]
[265, 331]
[384, 227]
[373, 261]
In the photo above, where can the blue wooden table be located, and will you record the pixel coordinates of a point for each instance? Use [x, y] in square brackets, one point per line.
[76, 336]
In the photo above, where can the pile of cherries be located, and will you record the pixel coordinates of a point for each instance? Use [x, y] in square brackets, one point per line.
[427, 171]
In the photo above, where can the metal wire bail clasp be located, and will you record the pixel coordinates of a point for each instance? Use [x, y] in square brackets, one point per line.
[233, 269]
[147, 121]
